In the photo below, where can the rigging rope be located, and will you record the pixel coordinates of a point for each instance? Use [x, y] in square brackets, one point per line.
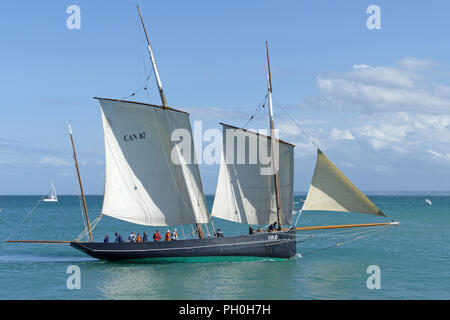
[296, 124]
[81, 210]
[260, 106]
[338, 244]
[144, 86]
[299, 214]
[85, 232]
[28, 215]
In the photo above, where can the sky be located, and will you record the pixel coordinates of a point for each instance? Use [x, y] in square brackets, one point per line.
[375, 101]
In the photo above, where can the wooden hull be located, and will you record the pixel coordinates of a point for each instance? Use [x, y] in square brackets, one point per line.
[261, 245]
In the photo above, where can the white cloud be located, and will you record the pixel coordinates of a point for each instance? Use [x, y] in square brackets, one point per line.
[406, 86]
[288, 130]
[415, 64]
[383, 135]
[214, 113]
[361, 66]
[389, 121]
[337, 134]
[55, 162]
[439, 155]
[346, 165]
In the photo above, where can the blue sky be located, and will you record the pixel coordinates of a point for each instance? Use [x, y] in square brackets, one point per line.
[375, 101]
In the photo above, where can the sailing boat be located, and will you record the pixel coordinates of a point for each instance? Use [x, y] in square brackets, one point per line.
[150, 180]
[51, 197]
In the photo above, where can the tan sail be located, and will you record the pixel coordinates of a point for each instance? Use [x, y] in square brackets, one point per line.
[331, 190]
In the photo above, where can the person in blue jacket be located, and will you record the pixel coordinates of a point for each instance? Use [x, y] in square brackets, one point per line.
[118, 237]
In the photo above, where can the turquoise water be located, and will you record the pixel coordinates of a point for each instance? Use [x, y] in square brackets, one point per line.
[413, 258]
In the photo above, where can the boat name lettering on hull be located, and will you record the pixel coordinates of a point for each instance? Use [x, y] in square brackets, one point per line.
[273, 237]
[134, 136]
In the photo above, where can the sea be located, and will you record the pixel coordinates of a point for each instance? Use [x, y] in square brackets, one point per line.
[408, 261]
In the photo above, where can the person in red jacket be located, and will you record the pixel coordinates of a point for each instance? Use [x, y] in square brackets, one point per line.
[167, 237]
[157, 236]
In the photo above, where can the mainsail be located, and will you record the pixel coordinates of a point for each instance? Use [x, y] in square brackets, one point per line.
[246, 194]
[331, 190]
[143, 184]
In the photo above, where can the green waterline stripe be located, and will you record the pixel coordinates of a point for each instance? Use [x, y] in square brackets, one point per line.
[198, 259]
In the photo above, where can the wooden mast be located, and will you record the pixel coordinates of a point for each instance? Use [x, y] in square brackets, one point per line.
[161, 93]
[274, 142]
[81, 186]
[152, 59]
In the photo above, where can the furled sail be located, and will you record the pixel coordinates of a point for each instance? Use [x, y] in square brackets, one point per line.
[143, 183]
[331, 190]
[245, 191]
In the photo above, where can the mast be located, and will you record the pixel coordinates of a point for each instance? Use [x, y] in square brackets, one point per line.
[161, 92]
[152, 59]
[274, 144]
[81, 186]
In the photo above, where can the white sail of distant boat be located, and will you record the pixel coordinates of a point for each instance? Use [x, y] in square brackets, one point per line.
[428, 201]
[51, 197]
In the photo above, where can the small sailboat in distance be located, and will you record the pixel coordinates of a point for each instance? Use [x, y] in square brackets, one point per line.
[428, 201]
[51, 197]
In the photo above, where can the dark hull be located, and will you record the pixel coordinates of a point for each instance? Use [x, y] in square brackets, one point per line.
[261, 245]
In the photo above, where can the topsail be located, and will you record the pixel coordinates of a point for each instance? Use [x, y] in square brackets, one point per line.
[331, 190]
[143, 183]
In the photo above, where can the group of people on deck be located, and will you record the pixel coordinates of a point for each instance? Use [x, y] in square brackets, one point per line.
[169, 236]
[272, 227]
[173, 236]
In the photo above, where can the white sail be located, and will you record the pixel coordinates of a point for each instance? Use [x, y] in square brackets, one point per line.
[331, 190]
[142, 184]
[244, 194]
[52, 194]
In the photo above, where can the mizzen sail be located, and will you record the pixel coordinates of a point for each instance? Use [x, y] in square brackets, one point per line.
[331, 190]
[143, 184]
[245, 190]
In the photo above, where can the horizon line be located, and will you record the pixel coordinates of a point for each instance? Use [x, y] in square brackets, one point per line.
[296, 193]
